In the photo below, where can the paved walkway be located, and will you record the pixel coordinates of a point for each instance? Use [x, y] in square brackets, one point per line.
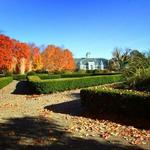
[57, 121]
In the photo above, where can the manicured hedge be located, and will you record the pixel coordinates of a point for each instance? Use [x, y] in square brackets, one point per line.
[19, 77]
[2, 75]
[68, 75]
[49, 76]
[4, 81]
[49, 86]
[33, 79]
[107, 73]
[128, 102]
[73, 75]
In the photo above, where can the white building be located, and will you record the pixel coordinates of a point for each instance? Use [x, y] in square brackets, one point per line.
[91, 63]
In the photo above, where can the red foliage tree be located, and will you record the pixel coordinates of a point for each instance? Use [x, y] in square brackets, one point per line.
[22, 54]
[55, 59]
[36, 60]
[19, 57]
[6, 51]
[52, 58]
[69, 61]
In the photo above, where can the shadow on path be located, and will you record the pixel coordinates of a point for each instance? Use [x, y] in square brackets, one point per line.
[34, 133]
[23, 88]
[74, 108]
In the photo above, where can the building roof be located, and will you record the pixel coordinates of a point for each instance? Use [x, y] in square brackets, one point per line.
[96, 60]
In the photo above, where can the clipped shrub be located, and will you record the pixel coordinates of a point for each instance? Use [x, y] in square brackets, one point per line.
[68, 72]
[31, 73]
[107, 73]
[50, 86]
[128, 102]
[19, 77]
[90, 71]
[33, 79]
[42, 71]
[8, 74]
[5, 81]
[2, 75]
[81, 71]
[73, 75]
[49, 76]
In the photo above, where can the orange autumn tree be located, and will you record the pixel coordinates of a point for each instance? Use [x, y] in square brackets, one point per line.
[19, 57]
[69, 61]
[35, 58]
[56, 59]
[6, 51]
[22, 56]
[52, 58]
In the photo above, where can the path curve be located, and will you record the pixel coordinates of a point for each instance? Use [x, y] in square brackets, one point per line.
[51, 121]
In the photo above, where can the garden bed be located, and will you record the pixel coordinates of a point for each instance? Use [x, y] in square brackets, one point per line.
[127, 102]
[55, 85]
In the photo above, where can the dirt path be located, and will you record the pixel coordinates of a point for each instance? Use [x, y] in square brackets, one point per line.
[56, 121]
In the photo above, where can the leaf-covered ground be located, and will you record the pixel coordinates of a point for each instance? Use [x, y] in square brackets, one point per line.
[57, 121]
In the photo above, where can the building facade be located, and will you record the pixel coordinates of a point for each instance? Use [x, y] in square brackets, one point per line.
[91, 63]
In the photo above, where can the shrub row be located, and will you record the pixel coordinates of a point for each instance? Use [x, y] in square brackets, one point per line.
[86, 74]
[74, 75]
[4, 81]
[2, 75]
[50, 86]
[128, 102]
[19, 77]
[71, 75]
[49, 76]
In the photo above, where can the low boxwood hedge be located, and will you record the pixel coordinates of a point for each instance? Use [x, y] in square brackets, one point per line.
[19, 77]
[4, 81]
[50, 86]
[49, 76]
[128, 102]
[2, 75]
[73, 75]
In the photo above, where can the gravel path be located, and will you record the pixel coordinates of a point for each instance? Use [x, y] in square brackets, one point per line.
[55, 121]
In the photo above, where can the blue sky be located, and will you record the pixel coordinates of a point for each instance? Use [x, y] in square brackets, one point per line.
[95, 26]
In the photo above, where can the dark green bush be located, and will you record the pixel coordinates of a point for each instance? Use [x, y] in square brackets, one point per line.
[31, 73]
[49, 76]
[128, 102]
[73, 75]
[105, 72]
[90, 71]
[49, 86]
[2, 75]
[4, 81]
[8, 74]
[19, 77]
[143, 85]
[41, 71]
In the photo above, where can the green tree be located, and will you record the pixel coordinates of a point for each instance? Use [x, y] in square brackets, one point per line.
[120, 58]
[137, 72]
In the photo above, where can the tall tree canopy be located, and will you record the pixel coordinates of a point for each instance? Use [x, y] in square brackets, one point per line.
[120, 58]
[19, 57]
[56, 59]
[6, 52]
[35, 58]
